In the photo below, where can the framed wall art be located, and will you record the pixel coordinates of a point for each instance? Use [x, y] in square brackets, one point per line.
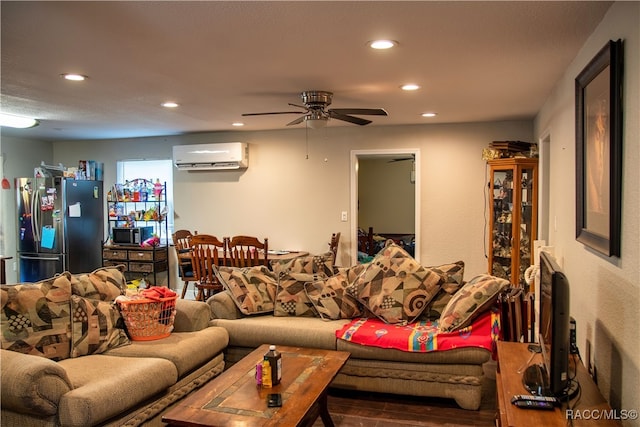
[599, 150]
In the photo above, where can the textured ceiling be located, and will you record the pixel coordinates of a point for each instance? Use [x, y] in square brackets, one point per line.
[475, 61]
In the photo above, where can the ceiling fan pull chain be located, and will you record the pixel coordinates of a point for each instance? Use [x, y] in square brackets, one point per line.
[306, 137]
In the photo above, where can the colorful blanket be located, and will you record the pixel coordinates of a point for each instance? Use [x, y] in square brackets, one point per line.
[422, 336]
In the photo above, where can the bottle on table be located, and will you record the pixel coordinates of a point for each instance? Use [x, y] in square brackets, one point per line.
[275, 361]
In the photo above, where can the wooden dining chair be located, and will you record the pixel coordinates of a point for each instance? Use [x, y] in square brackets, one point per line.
[333, 245]
[207, 253]
[182, 246]
[248, 251]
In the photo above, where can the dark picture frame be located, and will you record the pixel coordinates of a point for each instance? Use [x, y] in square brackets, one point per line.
[599, 151]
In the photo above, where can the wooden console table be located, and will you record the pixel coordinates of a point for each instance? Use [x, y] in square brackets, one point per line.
[511, 357]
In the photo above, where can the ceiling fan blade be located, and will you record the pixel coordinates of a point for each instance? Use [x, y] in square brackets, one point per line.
[356, 120]
[299, 106]
[276, 112]
[361, 111]
[296, 121]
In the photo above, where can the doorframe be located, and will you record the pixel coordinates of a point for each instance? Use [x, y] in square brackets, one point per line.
[355, 155]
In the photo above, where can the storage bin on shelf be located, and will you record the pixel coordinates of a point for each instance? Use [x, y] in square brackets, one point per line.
[148, 319]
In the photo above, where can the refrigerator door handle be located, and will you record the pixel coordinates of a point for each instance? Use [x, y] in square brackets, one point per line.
[55, 258]
[35, 213]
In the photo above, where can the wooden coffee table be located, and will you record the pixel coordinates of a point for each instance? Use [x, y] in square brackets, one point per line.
[233, 398]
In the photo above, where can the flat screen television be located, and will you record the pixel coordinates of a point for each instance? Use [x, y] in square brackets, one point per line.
[552, 377]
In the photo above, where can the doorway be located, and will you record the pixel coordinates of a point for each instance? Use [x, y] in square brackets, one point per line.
[412, 177]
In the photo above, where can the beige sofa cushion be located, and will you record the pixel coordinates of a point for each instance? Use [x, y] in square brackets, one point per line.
[297, 332]
[186, 350]
[106, 386]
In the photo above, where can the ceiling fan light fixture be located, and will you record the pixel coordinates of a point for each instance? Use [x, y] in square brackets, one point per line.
[18, 122]
[315, 123]
[382, 44]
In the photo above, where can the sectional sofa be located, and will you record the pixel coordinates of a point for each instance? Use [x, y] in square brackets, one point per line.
[66, 362]
[307, 303]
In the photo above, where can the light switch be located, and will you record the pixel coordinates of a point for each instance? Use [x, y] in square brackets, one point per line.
[343, 216]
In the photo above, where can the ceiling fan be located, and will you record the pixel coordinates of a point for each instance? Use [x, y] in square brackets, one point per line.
[316, 115]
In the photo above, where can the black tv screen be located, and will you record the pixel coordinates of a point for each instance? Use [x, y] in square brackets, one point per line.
[554, 325]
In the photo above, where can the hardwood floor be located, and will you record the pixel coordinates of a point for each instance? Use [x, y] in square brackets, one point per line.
[353, 409]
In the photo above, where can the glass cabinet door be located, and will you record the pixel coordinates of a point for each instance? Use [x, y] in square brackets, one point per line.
[513, 187]
[527, 230]
[502, 232]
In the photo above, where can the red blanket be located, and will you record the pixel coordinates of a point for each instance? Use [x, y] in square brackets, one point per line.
[422, 336]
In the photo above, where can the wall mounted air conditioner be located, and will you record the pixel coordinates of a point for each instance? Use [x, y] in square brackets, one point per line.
[222, 156]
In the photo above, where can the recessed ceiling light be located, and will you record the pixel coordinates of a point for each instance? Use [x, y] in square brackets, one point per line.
[73, 77]
[237, 124]
[429, 114]
[170, 104]
[8, 120]
[382, 44]
[410, 86]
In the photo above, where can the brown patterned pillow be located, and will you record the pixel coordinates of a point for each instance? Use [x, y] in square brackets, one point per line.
[453, 276]
[104, 284]
[330, 298]
[96, 327]
[35, 318]
[253, 289]
[394, 286]
[291, 298]
[475, 297]
[310, 264]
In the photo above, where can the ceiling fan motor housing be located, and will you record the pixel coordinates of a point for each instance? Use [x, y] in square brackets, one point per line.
[316, 98]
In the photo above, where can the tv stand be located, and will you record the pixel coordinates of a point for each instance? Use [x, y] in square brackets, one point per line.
[509, 382]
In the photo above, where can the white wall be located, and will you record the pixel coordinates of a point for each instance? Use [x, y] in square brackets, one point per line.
[386, 196]
[296, 202]
[605, 292]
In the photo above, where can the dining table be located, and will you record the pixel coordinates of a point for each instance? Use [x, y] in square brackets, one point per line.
[272, 255]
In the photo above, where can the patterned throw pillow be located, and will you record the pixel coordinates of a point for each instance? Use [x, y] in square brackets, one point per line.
[475, 296]
[96, 327]
[291, 298]
[311, 264]
[104, 284]
[453, 276]
[330, 298]
[394, 286]
[36, 319]
[253, 289]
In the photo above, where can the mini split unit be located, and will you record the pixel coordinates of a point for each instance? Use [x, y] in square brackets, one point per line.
[224, 156]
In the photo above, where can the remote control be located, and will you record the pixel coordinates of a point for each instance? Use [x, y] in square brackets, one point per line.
[548, 399]
[533, 404]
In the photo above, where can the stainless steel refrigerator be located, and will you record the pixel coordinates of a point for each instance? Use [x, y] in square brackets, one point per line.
[60, 226]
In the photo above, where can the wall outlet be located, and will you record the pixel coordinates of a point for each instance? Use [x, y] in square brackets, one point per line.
[343, 216]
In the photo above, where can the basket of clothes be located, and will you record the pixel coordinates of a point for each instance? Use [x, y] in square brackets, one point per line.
[149, 314]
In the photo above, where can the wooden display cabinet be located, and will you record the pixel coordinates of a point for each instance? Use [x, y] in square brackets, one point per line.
[513, 206]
